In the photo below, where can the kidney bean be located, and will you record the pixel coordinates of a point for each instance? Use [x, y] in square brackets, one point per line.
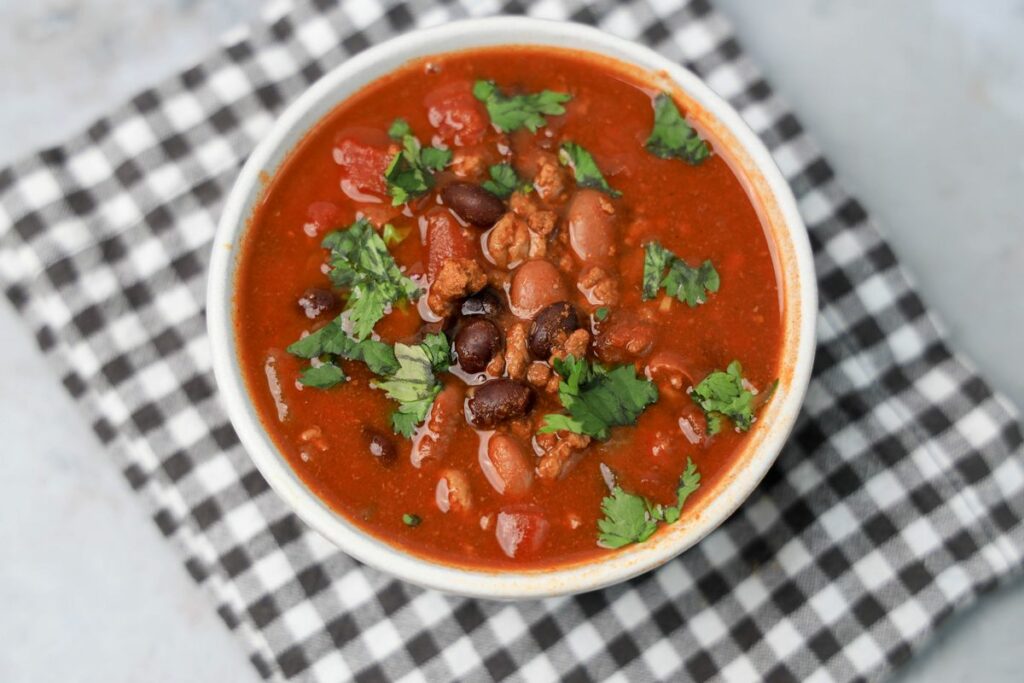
[452, 493]
[476, 343]
[446, 414]
[670, 367]
[316, 301]
[506, 465]
[497, 400]
[484, 302]
[521, 531]
[380, 446]
[556, 319]
[535, 284]
[624, 337]
[473, 204]
[591, 226]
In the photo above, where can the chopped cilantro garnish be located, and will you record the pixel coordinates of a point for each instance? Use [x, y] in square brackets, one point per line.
[504, 181]
[682, 281]
[411, 520]
[511, 112]
[331, 339]
[585, 168]
[597, 398]
[627, 519]
[601, 314]
[689, 482]
[323, 376]
[399, 129]
[410, 172]
[438, 350]
[414, 385]
[725, 394]
[630, 518]
[672, 137]
[392, 235]
[360, 261]
[408, 372]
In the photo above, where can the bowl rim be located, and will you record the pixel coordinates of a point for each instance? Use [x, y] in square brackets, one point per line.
[788, 233]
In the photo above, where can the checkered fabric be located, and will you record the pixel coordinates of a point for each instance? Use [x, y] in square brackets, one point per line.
[897, 501]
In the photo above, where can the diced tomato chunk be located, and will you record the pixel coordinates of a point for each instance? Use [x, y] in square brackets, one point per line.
[458, 117]
[363, 157]
[521, 531]
[447, 240]
[323, 217]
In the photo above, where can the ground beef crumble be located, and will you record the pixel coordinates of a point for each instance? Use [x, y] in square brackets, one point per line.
[558, 449]
[457, 278]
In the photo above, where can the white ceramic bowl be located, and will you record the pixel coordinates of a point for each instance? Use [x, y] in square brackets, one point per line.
[752, 164]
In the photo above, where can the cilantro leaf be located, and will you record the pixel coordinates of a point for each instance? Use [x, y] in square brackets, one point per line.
[597, 398]
[435, 158]
[438, 350]
[410, 172]
[672, 137]
[504, 181]
[360, 261]
[331, 339]
[411, 520]
[408, 372]
[627, 519]
[682, 282]
[323, 376]
[414, 385]
[511, 112]
[392, 235]
[725, 394]
[585, 168]
[315, 343]
[689, 482]
[399, 129]
[601, 314]
[378, 356]
[631, 518]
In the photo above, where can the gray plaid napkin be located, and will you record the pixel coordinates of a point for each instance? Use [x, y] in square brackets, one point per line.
[898, 500]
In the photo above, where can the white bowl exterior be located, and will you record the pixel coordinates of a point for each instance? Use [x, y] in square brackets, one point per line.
[290, 129]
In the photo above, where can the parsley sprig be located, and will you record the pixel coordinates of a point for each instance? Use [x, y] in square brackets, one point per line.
[725, 394]
[511, 112]
[360, 261]
[598, 398]
[682, 281]
[504, 181]
[410, 172]
[631, 518]
[672, 137]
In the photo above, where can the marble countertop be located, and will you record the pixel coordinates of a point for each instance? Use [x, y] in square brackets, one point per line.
[919, 105]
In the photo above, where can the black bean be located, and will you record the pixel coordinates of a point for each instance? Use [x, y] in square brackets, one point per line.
[484, 302]
[558, 319]
[498, 400]
[380, 445]
[315, 301]
[473, 204]
[476, 343]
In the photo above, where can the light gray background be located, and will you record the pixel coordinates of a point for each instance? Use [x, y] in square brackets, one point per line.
[919, 105]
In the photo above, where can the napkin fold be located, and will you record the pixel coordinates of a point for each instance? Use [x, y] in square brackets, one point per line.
[897, 501]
